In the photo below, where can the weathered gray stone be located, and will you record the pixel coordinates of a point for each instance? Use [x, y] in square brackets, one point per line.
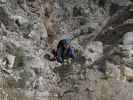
[3, 1]
[113, 71]
[122, 2]
[11, 60]
[93, 51]
[128, 44]
[23, 26]
[129, 73]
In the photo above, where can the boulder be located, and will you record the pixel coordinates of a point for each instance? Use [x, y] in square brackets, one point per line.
[20, 19]
[121, 2]
[11, 60]
[93, 51]
[39, 31]
[8, 61]
[113, 71]
[3, 1]
[129, 73]
[128, 40]
[128, 44]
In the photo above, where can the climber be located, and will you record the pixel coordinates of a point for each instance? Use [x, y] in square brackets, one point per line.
[64, 50]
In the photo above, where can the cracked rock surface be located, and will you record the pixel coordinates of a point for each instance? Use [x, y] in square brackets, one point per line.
[29, 29]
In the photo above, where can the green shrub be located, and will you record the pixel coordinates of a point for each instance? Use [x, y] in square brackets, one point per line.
[19, 61]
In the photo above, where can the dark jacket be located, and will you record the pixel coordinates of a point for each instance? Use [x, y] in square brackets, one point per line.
[63, 52]
[60, 51]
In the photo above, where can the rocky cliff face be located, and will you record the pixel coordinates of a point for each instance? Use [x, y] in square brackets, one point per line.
[30, 28]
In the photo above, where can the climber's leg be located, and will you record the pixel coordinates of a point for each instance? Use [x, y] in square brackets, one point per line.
[60, 55]
[71, 53]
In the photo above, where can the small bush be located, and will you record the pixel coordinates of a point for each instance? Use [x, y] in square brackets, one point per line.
[19, 61]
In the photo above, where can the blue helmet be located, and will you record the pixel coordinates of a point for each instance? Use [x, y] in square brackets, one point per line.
[67, 41]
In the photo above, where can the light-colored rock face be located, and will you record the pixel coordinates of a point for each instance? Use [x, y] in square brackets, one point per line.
[122, 2]
[128, 44]
[28, 27]
[128, 40]
[93, 51]
[129, 73]
[23, 39]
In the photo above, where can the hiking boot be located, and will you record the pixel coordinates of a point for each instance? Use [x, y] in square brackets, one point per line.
[69, 60]
[58, 64]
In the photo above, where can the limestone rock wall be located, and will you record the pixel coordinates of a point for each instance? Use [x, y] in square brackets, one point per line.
[30, 28]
